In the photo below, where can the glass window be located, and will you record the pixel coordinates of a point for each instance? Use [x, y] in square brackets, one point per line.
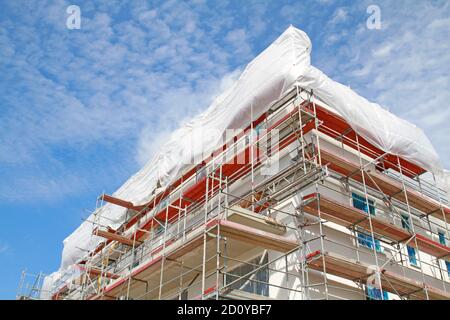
[412, 256]
[255, 282]
[405, 223]
[361, 203]
[366, 241]
[447, 264]
[442, 239]
[375, 294]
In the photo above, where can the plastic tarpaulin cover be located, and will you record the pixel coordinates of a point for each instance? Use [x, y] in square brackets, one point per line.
[285, 63]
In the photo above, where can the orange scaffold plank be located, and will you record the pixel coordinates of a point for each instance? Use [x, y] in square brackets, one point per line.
[348, 216]
[356, 270]
[387, 185]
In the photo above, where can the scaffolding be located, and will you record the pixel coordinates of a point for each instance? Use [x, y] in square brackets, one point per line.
[30, 286]
[273, 214]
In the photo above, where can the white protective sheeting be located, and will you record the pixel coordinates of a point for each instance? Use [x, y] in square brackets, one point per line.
[276, 70]
[263, 81]
[47, 286]
[380, 127]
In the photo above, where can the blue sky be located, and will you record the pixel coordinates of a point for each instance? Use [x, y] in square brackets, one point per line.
[82, 110]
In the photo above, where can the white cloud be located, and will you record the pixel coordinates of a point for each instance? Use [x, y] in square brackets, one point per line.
[383, 51]
[238, 40]
[108, 83]
[363, 71]
[443, 24]
[128, 83]
[193, 102]
[340, 15]
[404, 66]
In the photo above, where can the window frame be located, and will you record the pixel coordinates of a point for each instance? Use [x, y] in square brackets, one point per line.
[444, 242]
[372, 201]
[369, 293]
[364, 239]
[405, 220]
[410, 249]
[442, 233]
[256, 286]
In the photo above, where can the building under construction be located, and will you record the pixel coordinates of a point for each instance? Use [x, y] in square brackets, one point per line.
[315, 197]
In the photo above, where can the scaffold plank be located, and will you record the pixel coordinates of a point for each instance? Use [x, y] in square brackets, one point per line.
[347, 216]
[357, 271]
[241, 236]
[385, 184]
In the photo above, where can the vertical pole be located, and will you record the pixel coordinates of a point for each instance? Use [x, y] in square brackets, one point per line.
[442, 208]
[447, 234]
[21, 282]
[133, 256]
[205, 237]
[218, 251]
[163, 258]
[217, 260]
[316, 127]
[322, 244]
[181, 280]
[302, 257]
[297, 101]
[411, 222]
[361, 166]
[251, 153]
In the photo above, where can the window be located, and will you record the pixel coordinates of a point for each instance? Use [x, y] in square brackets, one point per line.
[255, 282]
[373, 293]
[360, 203]
[412, 256]
[443, 241]
[405, 223]
[135, 257]
[365, 240]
